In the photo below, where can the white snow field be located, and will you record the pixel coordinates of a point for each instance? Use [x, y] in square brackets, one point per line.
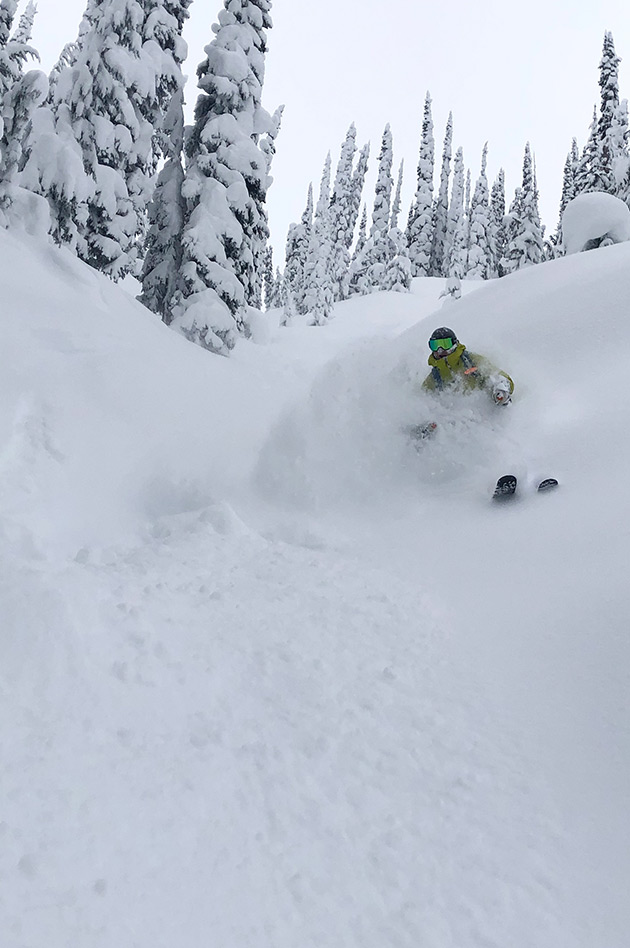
[271, 677]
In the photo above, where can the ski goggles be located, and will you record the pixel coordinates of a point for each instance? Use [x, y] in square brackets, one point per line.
[435, 344]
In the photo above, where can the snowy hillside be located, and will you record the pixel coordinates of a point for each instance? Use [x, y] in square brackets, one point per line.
[271, 677]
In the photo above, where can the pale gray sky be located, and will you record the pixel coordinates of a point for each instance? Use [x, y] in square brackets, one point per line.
[509, 72]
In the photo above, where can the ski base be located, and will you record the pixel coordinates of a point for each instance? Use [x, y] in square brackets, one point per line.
[507, 484]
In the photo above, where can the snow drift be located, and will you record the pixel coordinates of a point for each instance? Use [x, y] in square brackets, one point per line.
[594, 219]
[268, 675]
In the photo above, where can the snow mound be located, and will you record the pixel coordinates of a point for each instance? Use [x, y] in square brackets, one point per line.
[594, 220]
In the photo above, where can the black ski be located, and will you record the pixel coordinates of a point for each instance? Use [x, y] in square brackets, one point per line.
[506, 486]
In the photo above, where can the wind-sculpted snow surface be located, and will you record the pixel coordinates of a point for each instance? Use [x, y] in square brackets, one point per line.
[271, 676]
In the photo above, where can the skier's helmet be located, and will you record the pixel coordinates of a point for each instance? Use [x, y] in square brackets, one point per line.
[443, 339]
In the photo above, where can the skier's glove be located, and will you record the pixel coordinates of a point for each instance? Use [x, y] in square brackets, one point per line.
[501, 394]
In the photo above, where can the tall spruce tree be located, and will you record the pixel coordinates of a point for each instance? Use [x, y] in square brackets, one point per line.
[497, 224]
[439, 247]
[568, 191]
[377, 249]
[163, 244]
[318, 286]
[105, 98]
[356, 274]
[525, 237]
[226, 175]
[420, 222]
[396, 203]
[164, 21]
[341, 213]
[457, 222]
[20, 94]
[479, 253]
[298, 242]
[609, 89]
[590, 175]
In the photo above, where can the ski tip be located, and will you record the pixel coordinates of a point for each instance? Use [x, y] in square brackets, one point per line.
[506, 487]
[548, 484]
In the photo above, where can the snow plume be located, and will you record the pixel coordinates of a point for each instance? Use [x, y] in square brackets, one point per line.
[225, 228]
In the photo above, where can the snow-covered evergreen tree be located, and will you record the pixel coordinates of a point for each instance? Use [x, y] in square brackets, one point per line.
[24, 30]
[479, 252]
[298, 241]
[589, 175]
[397, 275]
[358, 181]
[609, 89]
[377, 249]
[226, 177]
[420, 222]
[163, 245]
[497, 224]
[457, 222]
[162, 29]
[19, 94]
[340, 214]
[276, 291]
[439, 246]
[356, 275]
[15, 50]
[105, 99]
[318, 285]
[568, 192]
[525, 236]
[396, 203]
[19, 103]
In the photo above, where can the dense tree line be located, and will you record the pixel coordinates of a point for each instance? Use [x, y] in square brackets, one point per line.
[131, 190]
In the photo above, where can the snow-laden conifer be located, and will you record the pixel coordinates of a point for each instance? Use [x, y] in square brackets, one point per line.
[105, 99]
[341, 206]
[397, 274]
[397, 202]
[20, 102]
[568, 191]
[457, 222]
[378, 248]
[589, 175]
[356, 275]
[609, 103]
[620, 136]
[358, 181]
[20, 94]
[420, 222]
[479, 253]
[525, 237]
[163, 244]
[298, 241]
[439, 246]
[318, 286]
[15, 50]
[226, 177]
[497, 224]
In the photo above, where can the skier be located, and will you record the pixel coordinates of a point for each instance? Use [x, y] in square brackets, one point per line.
[452, 363]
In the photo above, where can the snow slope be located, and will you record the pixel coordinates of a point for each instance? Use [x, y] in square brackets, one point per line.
[271, 677]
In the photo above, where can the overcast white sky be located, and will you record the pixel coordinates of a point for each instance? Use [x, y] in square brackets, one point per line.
[509, 72]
